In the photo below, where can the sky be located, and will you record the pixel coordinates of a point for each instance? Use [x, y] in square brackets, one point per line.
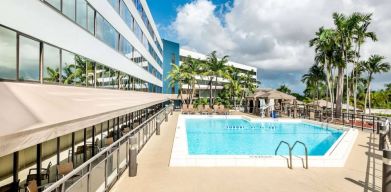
[271, 35]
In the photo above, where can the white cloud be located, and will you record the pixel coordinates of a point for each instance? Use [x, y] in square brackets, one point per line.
[273, 35]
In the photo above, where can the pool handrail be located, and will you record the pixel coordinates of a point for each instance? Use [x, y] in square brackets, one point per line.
[305, 151]
[290, 152]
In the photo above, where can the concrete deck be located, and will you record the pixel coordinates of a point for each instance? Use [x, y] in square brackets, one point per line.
[362, 171]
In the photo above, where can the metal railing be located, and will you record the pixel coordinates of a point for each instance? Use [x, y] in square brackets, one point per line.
[101, 171]
[290, 149]
[290, 152]
[305, 165]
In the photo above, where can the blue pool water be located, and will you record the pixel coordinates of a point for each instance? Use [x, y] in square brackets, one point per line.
[240, 137]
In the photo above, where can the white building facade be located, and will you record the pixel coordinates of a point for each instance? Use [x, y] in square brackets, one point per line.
[94, 43]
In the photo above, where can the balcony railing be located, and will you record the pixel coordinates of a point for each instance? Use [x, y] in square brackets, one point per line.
[101, 171]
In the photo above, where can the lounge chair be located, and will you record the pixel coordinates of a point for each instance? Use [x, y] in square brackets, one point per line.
[200, 109]
[45, 173]
[222, 110]
[207, 110]
[216, 108]
[185, 109]
[191, 109]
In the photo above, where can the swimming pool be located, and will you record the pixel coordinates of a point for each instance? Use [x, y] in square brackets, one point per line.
[234, 140]
[242, 137]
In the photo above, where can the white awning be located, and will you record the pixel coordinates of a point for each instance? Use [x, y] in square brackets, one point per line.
[34, 113]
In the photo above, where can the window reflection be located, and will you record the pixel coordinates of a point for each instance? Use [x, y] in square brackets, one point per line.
[28, 59]
[55, 3]
[7, 54]
[81, 13]
[91, 19]
[125, 47]
[68, 8]
[90, 74]
[51, 64]
[105, 32]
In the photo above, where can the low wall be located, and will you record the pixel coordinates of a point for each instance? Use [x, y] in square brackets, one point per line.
[380, 111]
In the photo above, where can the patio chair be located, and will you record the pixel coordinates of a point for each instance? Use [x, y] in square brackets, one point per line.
[45, 173]
[185, 109]
[191, 109]
[222, 110]
[109, 141]
[215, 108]
[208, 110]
[64, 169]
[199, 109]
[32, 186]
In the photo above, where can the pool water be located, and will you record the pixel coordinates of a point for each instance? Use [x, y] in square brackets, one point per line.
[211, 136]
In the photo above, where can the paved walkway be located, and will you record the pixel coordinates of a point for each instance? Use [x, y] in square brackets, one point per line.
[362, 172]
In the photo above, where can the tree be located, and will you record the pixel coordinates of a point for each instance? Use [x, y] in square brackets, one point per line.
[325, 46]
[283, 88]
[175, 76]
[215, 68]
[314, 78]
[191, 68]
[345, 27]
[373, 66]
[249, 85]
[360, 35]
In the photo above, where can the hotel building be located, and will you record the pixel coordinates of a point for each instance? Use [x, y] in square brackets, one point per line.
[75, 75]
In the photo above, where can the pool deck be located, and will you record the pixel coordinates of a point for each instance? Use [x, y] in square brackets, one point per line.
[362, 171]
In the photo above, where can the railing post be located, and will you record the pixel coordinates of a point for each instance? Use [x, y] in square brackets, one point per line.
[362, 122]
[386, 184]
[166, 116]
[343, 119]
[133, 156]
[352, 120]
[373, 124]
[157, 128]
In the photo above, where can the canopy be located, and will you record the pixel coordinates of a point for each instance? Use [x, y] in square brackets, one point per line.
[271, 94]
[35, 113]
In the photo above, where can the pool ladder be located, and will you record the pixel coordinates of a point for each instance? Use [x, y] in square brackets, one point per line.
[305, 164]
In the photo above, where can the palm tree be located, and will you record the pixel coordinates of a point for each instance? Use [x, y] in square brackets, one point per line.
[249, 85]
[345, 27]
[191, 68]
[215, 68]
[283, 88]
[325, 44]
[315, 77]
[234, 86]
[175, 76]
[373, 66]
[361, 34]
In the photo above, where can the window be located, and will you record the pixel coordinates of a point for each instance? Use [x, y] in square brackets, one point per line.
[106, 33]
[137, 31]
[115, 4]
[51, 64]
[68, 8]
[68, 63]
[126, 15]
[91, 19]
[173, 60]
[81, 13]
[125, 47]
[99, 72]
[7, 54]
[90, 74]
[55, 3]
[28, 59]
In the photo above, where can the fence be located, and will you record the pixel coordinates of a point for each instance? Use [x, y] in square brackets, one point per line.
[101, 171]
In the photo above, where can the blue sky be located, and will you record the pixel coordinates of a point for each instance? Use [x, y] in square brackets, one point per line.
[271, 35]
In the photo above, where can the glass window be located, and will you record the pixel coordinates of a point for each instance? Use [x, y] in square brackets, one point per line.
[126, 15]
[90, 74]
[81, 13]
[68, 8]
[79, 73]
[99, 72]
[137, 31]
[91, 19]
[125, 47]
[68, 63]
[106, 33]
[51, 64]
[7, 54]
[55, 3]
[115, 4]
[28, 59]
